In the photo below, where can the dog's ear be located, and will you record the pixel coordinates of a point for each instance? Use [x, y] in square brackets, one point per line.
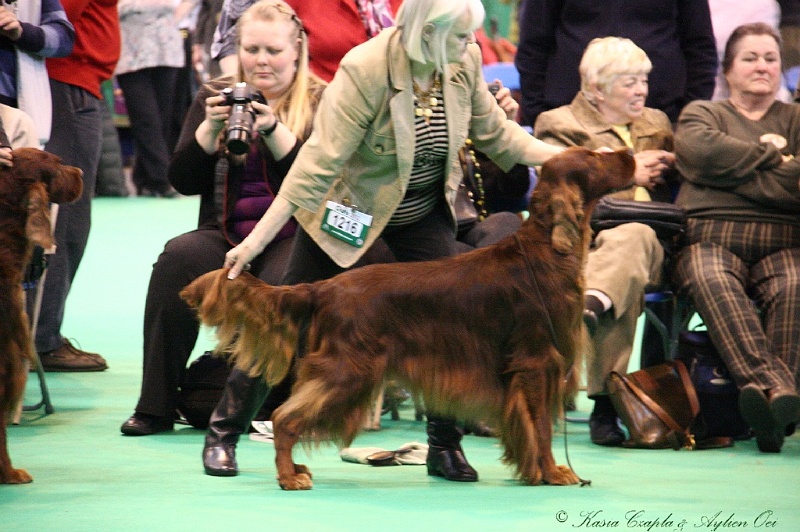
[66, 185]
[567, 215]
[37, 224]
[205, 290]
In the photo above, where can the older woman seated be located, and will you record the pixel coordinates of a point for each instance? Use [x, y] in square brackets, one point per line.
[609, 111]
[742, 267]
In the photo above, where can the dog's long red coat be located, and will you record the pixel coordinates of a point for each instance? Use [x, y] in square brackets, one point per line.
[485, 335]
[26, 190]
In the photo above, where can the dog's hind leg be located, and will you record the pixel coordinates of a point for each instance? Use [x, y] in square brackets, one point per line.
[291, 476]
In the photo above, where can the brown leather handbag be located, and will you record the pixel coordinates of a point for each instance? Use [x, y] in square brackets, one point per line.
[657, 405]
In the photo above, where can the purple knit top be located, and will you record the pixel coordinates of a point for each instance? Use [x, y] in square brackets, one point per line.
[256, 194]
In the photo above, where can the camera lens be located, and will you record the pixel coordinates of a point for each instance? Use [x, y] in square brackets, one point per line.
[240, 126]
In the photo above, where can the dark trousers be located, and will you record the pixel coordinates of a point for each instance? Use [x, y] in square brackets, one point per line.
[76, 137]
[150, 97]
[170, 326]
[431, 238]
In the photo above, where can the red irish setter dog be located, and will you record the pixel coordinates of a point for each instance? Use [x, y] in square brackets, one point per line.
[26, 190]
[489, 334]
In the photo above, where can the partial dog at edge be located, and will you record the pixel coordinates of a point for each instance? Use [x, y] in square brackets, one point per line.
[26, 190]
[489, 334]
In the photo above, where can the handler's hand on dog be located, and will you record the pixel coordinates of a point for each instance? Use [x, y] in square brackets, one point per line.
[238, 259]
[6, 157]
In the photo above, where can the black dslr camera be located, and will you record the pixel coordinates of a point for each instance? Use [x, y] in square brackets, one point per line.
[240, 122]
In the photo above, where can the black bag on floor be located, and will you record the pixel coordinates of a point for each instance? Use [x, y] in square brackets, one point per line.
[201, 388]
[716, 391]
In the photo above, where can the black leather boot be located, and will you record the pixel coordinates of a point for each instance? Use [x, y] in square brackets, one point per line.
[240, 402]
[445, 456]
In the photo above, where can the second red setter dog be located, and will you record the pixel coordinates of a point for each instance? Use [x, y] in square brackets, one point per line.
[26, 190]
[489, 334]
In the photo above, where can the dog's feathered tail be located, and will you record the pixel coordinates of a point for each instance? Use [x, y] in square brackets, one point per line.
[257, 325]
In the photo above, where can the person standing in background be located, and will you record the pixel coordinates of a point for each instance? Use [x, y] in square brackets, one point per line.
[76, 138]
[150, 62]
[676, 35]
[204, 67]
[29, 32]
[790, 32]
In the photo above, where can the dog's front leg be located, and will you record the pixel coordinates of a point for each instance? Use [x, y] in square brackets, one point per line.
[528, 427]
[542, 408]
[291, 476]
[552, 473]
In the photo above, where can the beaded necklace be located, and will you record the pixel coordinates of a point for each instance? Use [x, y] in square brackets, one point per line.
[425, 101]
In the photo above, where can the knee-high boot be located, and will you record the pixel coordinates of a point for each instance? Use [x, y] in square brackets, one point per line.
[445, 456]
[240, 402]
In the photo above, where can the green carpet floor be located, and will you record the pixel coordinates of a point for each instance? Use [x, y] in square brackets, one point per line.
[87, 476]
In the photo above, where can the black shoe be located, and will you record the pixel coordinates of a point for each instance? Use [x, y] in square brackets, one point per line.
[450, 464]
[145, 425]
[220, 460]
[603, 425]
[785, 407]
[755, 409]
[604, 430]
[591, 321]
[592, 310]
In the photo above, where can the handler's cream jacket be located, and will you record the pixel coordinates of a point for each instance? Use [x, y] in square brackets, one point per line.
[362, 147]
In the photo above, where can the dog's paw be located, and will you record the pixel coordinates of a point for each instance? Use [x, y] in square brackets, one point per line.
[15, 476]
[301, 481]
[561, 476]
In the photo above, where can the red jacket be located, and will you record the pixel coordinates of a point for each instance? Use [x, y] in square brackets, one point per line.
[333, 29]
[97, 45]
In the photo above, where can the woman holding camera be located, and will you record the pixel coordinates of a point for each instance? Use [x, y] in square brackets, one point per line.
[235, 191]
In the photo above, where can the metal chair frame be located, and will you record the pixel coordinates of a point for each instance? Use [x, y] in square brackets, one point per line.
[37, 305]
